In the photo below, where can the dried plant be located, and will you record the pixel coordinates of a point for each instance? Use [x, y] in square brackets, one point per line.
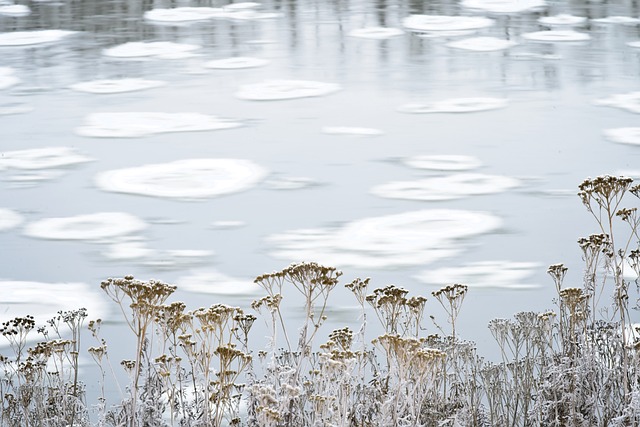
[576, 365]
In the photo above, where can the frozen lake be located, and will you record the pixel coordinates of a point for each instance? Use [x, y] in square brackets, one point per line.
[202, 144]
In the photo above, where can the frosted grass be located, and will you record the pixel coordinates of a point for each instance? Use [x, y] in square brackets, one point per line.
[190, 179]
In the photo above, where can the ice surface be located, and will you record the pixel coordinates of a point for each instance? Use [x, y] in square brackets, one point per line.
[485, 274]
[376, 33]
[622, 20]
[116, 85]
[15, 10]
[235, 63]
[410, 238]
[42, 158]
[44, 300]
[556, 36]
[272, 90]
[505, 6]
[9, 219]
[562, 20]
[290, 183]
[626, 135]
[7, 77]
[139, 124]
[183, 14]
[446, 187]
[348, 130]
[162, 50]
[217, 283]
[435, 23]
[455, 105]
[443, 162]
[627, 101]
[184, 179]
[482, 44]
[97, 226]
[27, 38]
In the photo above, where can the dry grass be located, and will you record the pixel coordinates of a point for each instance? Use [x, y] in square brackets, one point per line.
[575, 365]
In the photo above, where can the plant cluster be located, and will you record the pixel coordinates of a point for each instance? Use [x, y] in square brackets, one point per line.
[575, 365]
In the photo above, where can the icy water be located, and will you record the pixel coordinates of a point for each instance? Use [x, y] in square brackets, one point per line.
[204, 143]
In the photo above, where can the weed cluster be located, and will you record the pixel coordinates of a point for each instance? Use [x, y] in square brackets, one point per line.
[575, 365]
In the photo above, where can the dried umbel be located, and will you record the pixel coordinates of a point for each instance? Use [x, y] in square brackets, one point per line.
[606, 191]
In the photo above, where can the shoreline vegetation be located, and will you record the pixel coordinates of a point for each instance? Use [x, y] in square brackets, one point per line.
[575, 365]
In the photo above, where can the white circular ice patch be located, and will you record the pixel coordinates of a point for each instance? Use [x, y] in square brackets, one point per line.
[27, 38]
[443, 162]
[485, 274]
[376, 33]
[236, 63]
[183, 14]
[7, 78]
[139, 124]
[619, 20]
[505, 6]
[347, 130]
[273, 90]
[562, 20]
[42, 158]
[411, 238]
[557, 36]
[9, 219]
[164, 50]
[96, 226]
[290, 183]
[434, 23]
[627, 101]
[216, 283]
[116, 85]
[15, 10]
[44, 300]
[446, 187]
[628, 135]
[241, 6]
[482, 44]
[184, 179]
[455, 105]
